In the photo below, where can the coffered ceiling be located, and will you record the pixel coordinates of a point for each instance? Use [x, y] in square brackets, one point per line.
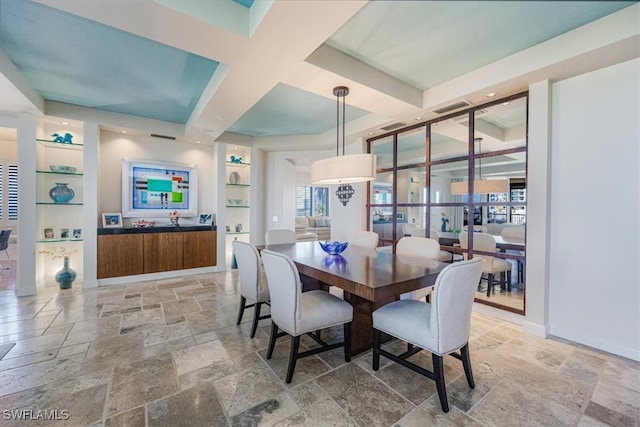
[265, 69]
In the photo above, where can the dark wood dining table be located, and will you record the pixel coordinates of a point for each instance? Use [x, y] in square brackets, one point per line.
[369, 279]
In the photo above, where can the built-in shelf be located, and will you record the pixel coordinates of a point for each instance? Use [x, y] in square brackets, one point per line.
[238, 165]
[72, 146]
[238, 185]
[59, 173]
[58, 240]
[58, 204]
[235, 232]
[236, 206]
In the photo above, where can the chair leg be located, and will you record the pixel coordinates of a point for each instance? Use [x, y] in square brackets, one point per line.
[272, 339]
[438, 371]
[376, 349]
[256, 318]
[293, 357]
[466, 363]
[347, 341]
[243, 303]
[509, 280]
[489, 284]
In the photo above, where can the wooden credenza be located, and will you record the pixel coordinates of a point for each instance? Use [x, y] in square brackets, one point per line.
[131, 251]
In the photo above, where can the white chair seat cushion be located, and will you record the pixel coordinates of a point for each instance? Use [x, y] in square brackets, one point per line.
[322, 310]
[407, 320]
[444, 256]
[496, 265]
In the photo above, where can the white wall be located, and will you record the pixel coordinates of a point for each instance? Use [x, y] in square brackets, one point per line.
[594, 291]
[114, 147]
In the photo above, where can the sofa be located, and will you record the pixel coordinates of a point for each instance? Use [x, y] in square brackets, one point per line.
[318, 225]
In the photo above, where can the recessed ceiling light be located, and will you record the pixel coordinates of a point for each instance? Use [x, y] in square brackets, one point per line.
[123, 131]
[197, 142]
[235, 147]
[65, 123]
[418, 118]
[504, 104]
[492, 94]
[370, 133]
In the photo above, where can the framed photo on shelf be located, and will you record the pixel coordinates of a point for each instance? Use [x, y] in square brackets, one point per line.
[77, 233]
[49, 233]
[64, 233]
[111, 220]
[205, 219]
[151, 188]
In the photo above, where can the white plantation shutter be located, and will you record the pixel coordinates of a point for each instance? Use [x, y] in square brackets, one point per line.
[12, 196]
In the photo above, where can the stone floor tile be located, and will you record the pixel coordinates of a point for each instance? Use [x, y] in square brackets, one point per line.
[183, 306]
[197, 406]
[26, 377]
[430, 414]
[268, 412]
[131, 418]
[199, 356]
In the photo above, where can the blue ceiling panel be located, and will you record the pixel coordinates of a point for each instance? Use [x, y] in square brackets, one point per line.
[78, 61]
[286, 110]
[245, 3]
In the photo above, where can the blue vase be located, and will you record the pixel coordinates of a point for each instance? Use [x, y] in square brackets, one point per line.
[66, 276]
[61, 193]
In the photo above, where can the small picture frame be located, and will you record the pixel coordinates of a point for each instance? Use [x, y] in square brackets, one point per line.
[205, 219]
[64, 233]
[49, 233]
[77, 234]
[399, 215]
[112, 220]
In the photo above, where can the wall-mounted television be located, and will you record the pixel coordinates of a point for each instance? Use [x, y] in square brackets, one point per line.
[153, 189]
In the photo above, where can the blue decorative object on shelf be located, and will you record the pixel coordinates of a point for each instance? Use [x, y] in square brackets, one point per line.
[61, 193]
[334, 248]
[235, 159]
[66, 139]
[66, 276]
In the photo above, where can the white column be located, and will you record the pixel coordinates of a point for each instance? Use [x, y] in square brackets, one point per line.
[91, 138]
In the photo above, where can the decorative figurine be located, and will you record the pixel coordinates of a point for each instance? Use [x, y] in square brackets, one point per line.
[66, 139]
[235, 159]
[445, 221]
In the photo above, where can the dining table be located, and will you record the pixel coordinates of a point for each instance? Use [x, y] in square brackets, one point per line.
[368, 278]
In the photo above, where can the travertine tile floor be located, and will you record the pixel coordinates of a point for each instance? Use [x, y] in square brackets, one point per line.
[169, 353]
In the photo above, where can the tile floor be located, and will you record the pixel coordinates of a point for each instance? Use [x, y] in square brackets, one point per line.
[169, 353]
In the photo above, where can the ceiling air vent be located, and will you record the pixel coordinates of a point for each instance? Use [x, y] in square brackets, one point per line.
[155, 135]
[393, 126]
[459, 104]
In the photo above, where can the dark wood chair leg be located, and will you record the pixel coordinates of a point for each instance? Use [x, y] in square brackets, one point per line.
[293, 357]
[256, 318]
[272, 339]
[347, 341]
[509, 280]
[466, 363]
[489, 284]
[438, 371]
[376, 349]
[243, 303]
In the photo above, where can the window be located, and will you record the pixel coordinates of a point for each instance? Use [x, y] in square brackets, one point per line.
[312, 201]
[8, 192]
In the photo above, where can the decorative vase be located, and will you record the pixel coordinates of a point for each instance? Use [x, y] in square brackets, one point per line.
[234, 177]
[61, 193]
[175, 221]
[66, 276]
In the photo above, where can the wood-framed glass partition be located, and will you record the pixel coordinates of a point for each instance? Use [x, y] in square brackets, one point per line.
[461, 172]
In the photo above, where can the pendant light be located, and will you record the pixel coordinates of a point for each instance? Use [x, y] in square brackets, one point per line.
[480, 186]
[346, 168]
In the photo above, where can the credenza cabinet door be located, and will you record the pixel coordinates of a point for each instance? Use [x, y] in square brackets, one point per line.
[120, 255]
[200, 249]
[163, 252]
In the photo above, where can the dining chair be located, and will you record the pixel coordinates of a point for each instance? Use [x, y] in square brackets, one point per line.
[297, 313]
[280, 236]
[441, 327]
[365, 239]
[406, 229]
[418, 247]
[5, 233]
[253, 282]
[516, 233]
[492, 266]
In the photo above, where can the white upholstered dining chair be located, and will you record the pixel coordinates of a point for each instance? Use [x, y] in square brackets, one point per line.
[492, 266]
[253, 282]
[441, 327]
[298, 313]
[418, 247]
[365, 239]
[280, 236]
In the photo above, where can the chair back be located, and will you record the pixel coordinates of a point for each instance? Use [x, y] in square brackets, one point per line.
[418, 232]
[418, 247]
[513, 233]
[276, 237]
[4, 238]
[434, 234]
[365, 239]
[406, 229]
[481, 242]
[452, 302]
[248, 259]
[285, 288]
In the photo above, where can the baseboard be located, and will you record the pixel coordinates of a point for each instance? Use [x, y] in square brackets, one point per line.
[507, 316]
[609, 347]
[111, 281]
[535, 329]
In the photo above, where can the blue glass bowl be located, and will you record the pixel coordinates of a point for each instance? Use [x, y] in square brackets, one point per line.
[334, 248]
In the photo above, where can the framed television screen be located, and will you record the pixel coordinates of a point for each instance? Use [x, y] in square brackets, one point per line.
[153, 189]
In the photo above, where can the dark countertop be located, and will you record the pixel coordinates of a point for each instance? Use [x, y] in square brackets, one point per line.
[148, 230]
